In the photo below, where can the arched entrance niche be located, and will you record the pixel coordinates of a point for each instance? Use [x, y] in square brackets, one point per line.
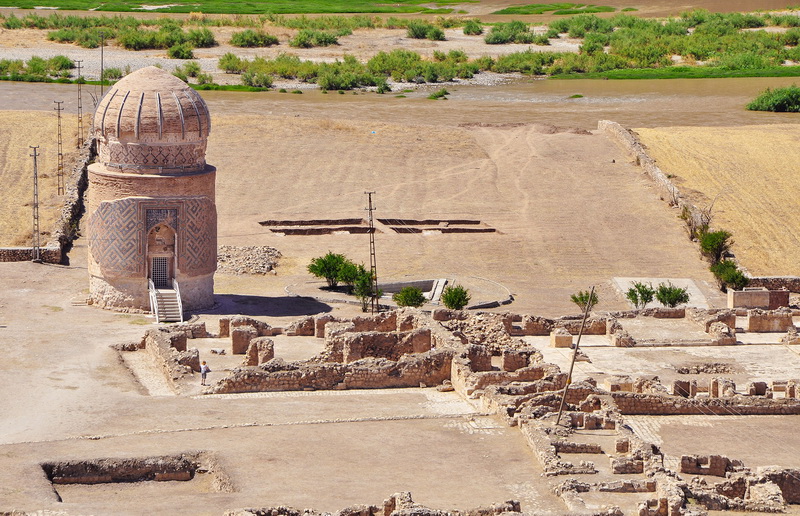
[161, 255]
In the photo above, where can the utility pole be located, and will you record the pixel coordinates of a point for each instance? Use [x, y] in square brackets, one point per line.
[60, 171]
[575, 354]
[373, 265]
[37, 258]
[80, 105]
[102, 47]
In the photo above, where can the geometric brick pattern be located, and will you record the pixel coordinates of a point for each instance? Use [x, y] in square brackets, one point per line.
[118, 229]
[197, 251]
[181, 157]
[115, 238]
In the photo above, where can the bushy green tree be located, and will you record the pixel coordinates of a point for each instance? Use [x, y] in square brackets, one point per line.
[455, 297]
[363, 288]
[585, 297]
[409, 296]
[729, 275]
[640, 294]
[328, 267]
[714, 244]
[671, 296]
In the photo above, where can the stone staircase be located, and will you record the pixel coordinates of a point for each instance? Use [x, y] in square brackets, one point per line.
[167, 306]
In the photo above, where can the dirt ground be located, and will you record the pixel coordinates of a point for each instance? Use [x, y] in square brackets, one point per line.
[18, 131]
[750, 176]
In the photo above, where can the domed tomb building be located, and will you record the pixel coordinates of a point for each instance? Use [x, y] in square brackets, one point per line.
[152, 221]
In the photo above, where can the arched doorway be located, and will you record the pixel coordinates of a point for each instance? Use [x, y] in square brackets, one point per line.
[161, 255]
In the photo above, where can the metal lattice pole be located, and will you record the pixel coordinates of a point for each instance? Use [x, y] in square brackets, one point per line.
[373, 263]
[80, 104]
[36, 244]
[60, 171]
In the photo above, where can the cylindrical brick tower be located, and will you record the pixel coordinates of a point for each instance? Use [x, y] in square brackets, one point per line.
[150, 202]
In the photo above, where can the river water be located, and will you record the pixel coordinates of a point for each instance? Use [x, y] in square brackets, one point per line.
[633, 103]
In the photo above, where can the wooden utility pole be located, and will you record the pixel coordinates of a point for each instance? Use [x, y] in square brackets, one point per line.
[575, 354]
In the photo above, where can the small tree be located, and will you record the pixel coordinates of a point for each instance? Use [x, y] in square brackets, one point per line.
[671, 296]
[328, 267]
[729, 275]
[640, 294]
[409, 296]
[584, 298]
[363, 287]
[348, 274]
[455, 297]
[714, 244]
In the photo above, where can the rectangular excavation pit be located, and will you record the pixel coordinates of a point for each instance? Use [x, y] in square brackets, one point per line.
[429, 222]
[166, 475]
[312, 222]
[409, 229]
[353, 230]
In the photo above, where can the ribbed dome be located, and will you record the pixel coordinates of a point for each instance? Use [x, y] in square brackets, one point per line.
[151, 122]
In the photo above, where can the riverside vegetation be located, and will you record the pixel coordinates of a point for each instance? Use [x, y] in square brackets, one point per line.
[705, 44]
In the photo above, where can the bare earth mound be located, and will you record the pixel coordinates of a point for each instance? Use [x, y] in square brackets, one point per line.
[753, 174]
[19, 130]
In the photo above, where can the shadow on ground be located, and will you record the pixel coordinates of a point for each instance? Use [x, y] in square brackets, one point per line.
[284, 306]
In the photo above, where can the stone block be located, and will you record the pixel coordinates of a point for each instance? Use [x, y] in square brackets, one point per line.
[241, 337]
[622, 339]
[681, 388]
[560, 338]
[769, 320]
[626, 466]
[513, 359]
[319, 324]
[480, 358]
[224, 326]
[622, 445]
[302, 328]
[260, 350]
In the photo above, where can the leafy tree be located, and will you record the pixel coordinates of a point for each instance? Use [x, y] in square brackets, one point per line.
[363, 287]
[348, 274]
[714, 244]
[671, 296]
[583, 298]
[328, 267]
[455, 297]
[729, 275]
[409, 296]
[640, 294]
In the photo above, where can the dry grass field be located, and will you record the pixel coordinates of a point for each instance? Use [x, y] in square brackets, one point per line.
[19, 130]
[753, 174]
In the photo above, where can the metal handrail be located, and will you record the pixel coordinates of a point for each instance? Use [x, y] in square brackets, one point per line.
[153, 298]
[178, 296]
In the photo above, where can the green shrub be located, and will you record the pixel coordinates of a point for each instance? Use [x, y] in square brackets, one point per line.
[59, 63]
[511, 32]
[230, 63]
[417, 29]
[256, 80]
[364, 288]
[729, 275]
[328, 267]
[308, 38]
[435, 34]
[670, 295]
[640, 294]
[714, 244]
[12, 22]
[181, 51]
[455, 297]
[112, 74]
[204, 78]
[473, 28]
[439, 94]
[585, 298]
[782, 100]
[201, 38]
[409, 296]
[253, 38]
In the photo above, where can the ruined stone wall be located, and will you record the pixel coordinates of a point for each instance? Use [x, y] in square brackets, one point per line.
[790, 283]
[25, 254]
[430, 368]
[656, 405]
[168, 348]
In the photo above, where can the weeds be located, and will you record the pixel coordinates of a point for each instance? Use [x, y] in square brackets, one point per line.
[784, 100]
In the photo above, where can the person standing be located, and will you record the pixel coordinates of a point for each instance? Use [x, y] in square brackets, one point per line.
[204, 370]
